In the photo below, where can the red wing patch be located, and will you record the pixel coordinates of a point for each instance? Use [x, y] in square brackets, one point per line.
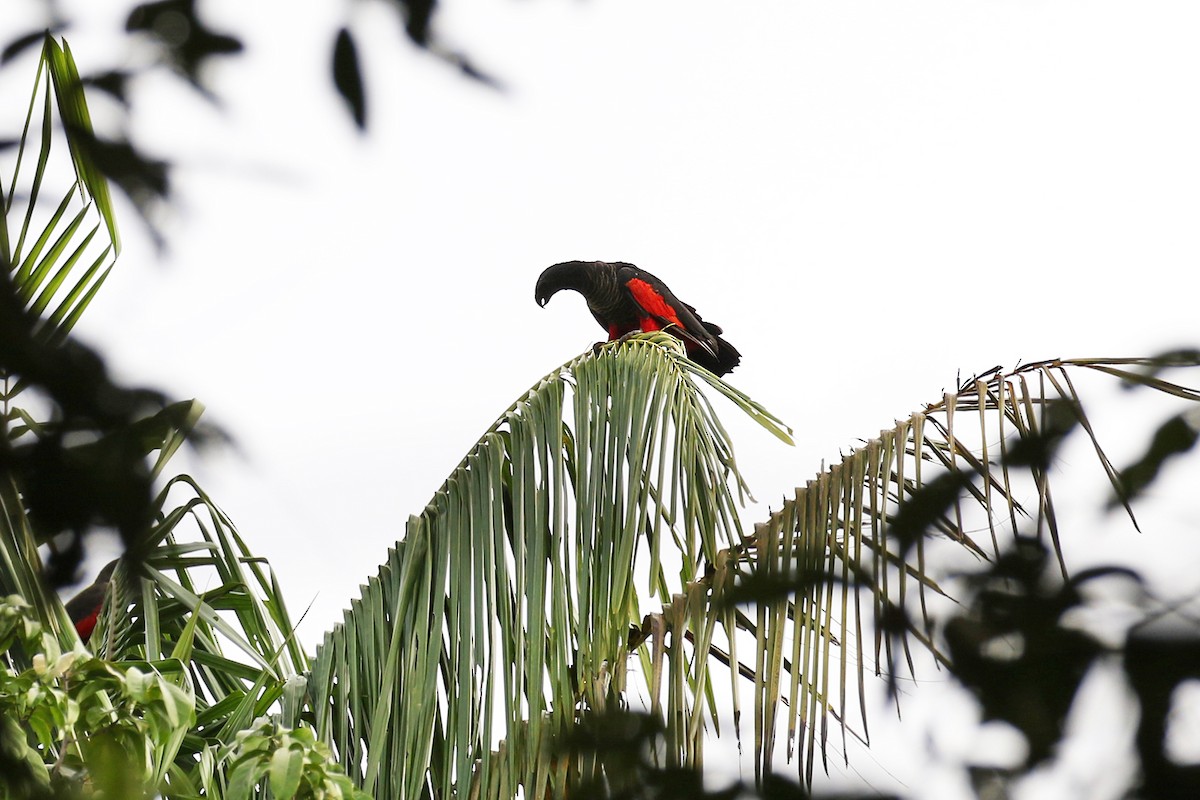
[652, 303]
[86, 625]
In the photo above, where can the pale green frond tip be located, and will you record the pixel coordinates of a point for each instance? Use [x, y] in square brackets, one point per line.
[775, 426]
[72, 106]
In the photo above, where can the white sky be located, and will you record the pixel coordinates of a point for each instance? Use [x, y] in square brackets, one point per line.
[869, 196]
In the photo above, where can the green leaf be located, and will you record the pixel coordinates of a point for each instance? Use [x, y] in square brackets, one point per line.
[72, 105]
[287, 765]
[244, 776]
[516, 584]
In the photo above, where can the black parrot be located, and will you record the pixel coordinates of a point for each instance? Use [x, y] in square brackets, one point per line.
[624, 299]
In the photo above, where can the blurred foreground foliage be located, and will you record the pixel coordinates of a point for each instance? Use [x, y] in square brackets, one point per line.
[180, 40]
[73, 725]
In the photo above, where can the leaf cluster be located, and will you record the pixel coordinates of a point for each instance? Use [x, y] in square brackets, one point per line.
[75, 725]
[73, 722]
[82, 462]
[184, 44]
[1014, 649]
[290, 761]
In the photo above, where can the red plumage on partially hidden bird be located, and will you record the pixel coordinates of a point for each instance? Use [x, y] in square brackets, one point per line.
[84, 608]
[624, 299]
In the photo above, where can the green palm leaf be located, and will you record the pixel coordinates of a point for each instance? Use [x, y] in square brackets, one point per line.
[201, 607]
[509, 604]
[55, 258]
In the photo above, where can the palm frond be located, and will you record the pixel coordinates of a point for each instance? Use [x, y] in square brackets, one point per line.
[55, 257]
[199, 604]
[512, 600]
[57, 87]
[850, 557]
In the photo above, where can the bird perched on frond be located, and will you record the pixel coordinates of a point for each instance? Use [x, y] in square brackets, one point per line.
[624, 299]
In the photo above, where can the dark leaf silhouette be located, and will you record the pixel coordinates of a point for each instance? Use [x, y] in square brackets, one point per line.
[145, 180]
[1037, 450]
[620, 746]
[347, 77]
[25, 42]
[762, 586]
[88, 467]
[1175, 436]
[926, 506]
[417, 14]
[1012, 650]
[185, 40]
[1179, 357]
[469, 69]
[114, 83]
[1161, 655]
